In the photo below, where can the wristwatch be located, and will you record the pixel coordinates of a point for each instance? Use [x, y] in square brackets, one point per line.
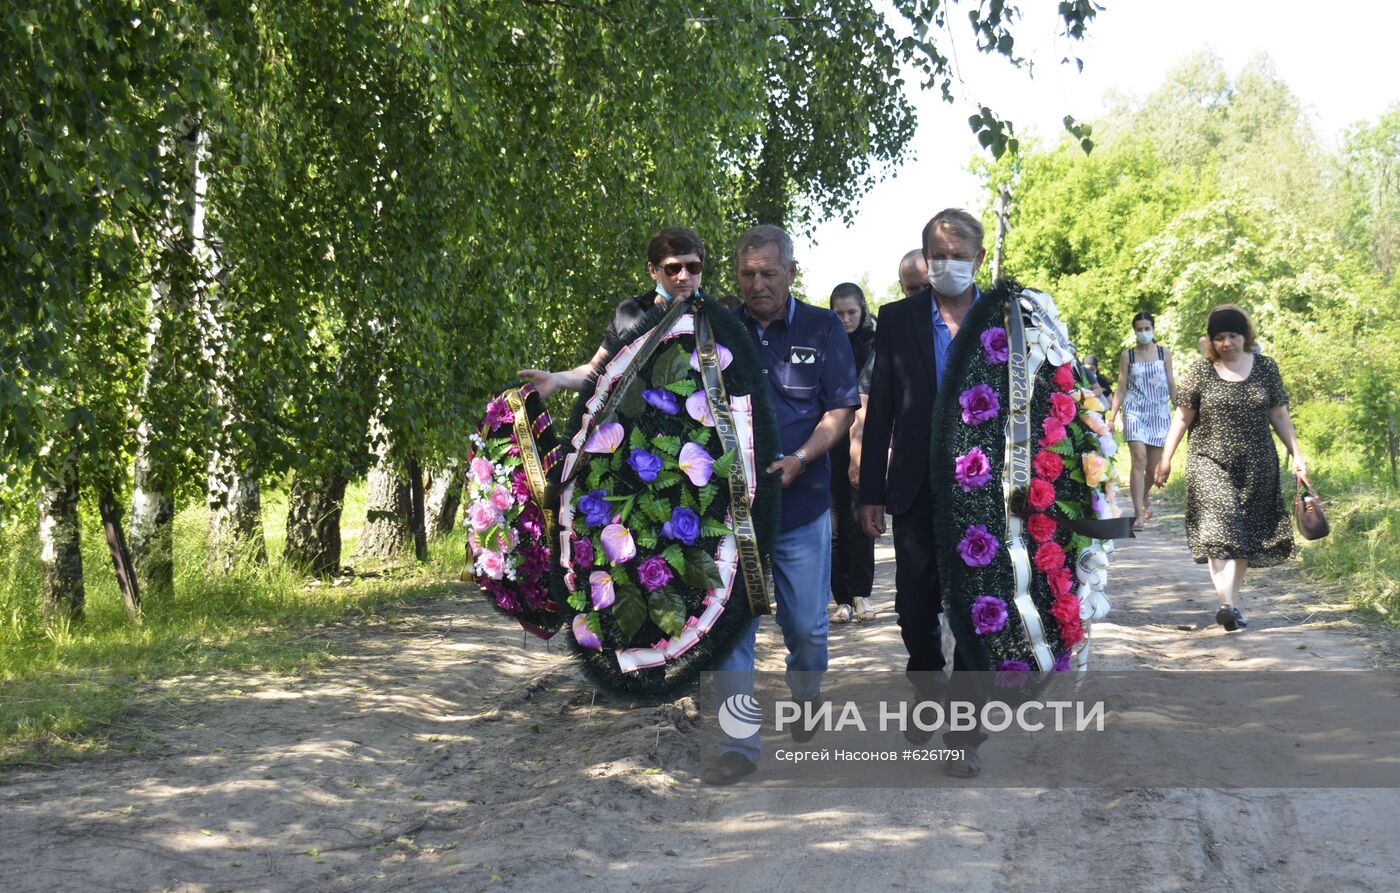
[801, 456]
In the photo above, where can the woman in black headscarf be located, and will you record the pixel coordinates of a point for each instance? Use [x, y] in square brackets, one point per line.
[852, 552]
[1230, 401]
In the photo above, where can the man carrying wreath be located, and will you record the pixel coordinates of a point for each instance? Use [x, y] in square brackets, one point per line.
[810, 370]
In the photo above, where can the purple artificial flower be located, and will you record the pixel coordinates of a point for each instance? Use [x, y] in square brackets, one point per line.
[535, 595]
[646, 465]
[662, 399]
[1012, 673]
[994, 345]
[1103, 509]
[979, 404]
[581, 551]
[536, 561]
[618, 544]
[1062, 661]
[684, 526]
[595, 507]
[654, 573]
[988, 614]
[584, 635]
[697, 406]
[696, 463]
[725, 358]
[505, 599]
[531, 520]
[600, 590]
[972, 470]
[520, 486]
[978, 547]
[498, 413]
[605, 440]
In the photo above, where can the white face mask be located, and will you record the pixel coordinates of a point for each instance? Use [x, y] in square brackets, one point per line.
[951, 278]
[1144, 336]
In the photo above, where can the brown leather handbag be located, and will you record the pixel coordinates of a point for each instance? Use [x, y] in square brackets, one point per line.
[1308, 512]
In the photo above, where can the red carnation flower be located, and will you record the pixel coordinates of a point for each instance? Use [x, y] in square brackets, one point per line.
[1042, 527]
[1049, 556]
[1062, 407]
[1072, 634]
[1041, 495]
[1060, 581]
[1065, 610]
[1064, 377]
[1047, 465]
[1054, 431]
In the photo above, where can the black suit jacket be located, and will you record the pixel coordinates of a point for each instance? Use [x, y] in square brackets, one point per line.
[900, 411]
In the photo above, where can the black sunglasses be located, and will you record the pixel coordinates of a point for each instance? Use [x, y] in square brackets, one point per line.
[693, 268]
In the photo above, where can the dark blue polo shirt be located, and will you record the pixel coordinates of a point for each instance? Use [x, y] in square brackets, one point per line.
[810, 369]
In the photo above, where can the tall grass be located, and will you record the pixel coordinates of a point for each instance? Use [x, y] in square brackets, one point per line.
[62, 683]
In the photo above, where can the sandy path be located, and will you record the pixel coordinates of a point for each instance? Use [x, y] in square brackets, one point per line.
[437, 754]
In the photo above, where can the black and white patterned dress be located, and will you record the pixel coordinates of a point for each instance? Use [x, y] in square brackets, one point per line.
[1234, 505]
[1147, 407]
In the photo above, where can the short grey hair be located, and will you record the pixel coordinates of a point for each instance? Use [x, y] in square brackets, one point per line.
[962, 225]
[763, 235]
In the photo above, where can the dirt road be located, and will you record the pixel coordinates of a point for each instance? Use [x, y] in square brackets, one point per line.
[437, 753]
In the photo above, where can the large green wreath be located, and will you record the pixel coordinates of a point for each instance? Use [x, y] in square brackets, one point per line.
[651, 423]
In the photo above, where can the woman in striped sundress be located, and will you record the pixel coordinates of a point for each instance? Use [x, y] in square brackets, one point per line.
[1145, 393]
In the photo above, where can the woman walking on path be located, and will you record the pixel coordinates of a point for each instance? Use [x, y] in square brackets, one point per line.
[852, 552]
[1235, 515]
[1145, 392]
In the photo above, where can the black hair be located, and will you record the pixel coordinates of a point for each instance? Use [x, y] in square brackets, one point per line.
[1143, 314]
[851, 290]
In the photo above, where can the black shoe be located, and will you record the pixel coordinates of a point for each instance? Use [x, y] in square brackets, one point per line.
[729, 768]
[1228, 617]
[970, 766]
[799, 731]
[1239, 619]
[917, 736]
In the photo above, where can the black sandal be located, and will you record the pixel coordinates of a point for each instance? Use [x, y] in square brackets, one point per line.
[1229, 617]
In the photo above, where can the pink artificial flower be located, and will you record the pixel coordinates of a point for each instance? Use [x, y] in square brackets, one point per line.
[1049, 556]
[1060, 581]
[1064, 377]
[481, 470]
[1041, 527]
[481, 515]
[994, 345]
[1054, 431]
[491, 563]
[1094, 422]
[1041, 495]
[1047, 465]
[501, 498]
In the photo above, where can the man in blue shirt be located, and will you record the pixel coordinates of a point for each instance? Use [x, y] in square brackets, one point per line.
[912, 342]
[811, 374]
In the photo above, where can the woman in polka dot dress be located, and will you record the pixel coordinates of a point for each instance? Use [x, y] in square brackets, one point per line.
[1235, 516]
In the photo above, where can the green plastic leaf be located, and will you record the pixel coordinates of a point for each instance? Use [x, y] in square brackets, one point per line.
[675, 557]
[685, 387]
[671, 366]
[711, 527]
[667, 610]
[700, 569]
[723, 463]
[637, 440]
[630, 612]
[667, 444]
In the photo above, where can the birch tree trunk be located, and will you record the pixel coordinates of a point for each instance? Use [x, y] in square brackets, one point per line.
[444, 499]
[60, 552]
[386, 531]
[313, 524]
[175, 290]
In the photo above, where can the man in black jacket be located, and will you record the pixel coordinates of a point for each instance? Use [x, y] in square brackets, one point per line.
[912, 343]
[675, 262]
